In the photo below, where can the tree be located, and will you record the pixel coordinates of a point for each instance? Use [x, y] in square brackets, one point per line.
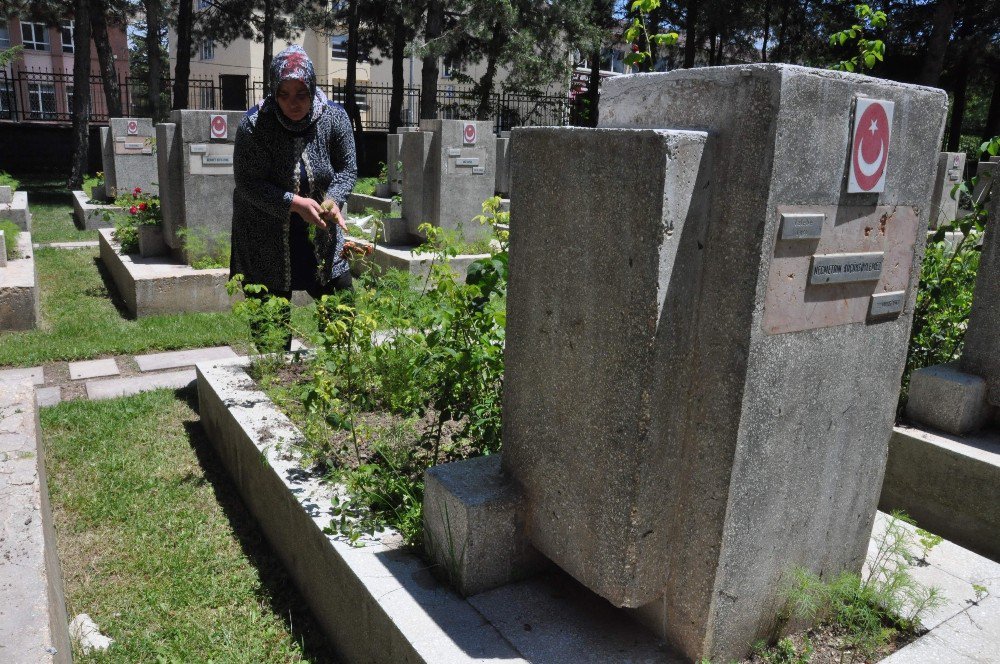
[81, 93]
[109, 75]
[154, 55]
[182, 67]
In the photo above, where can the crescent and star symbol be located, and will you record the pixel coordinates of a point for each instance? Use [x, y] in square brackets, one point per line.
[870, 148]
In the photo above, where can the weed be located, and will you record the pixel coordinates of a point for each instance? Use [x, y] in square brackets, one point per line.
[8, 180]
[11, 231]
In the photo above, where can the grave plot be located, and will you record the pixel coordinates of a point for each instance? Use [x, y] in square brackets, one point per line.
[14, 206]
[183, 263]
[19, 302]
[945, 468]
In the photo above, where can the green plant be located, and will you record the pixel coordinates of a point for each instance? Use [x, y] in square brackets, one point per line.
[981, 592]
[8, 180]
[928, 541]
[638, 31]
[11, 231]
[365, 186]
[91, 181]
[135, 209]
[873, 609]
[205, 250]
[383, 172]
[266, 318]
[784, 652]
[869, 51]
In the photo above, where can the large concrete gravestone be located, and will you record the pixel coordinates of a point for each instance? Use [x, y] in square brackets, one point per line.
[951, 167]
[448, 171]
[196, 174]
[701, 370]
[129, 156]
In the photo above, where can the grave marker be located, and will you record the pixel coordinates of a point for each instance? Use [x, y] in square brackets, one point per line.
[129, 156]
[951, 167]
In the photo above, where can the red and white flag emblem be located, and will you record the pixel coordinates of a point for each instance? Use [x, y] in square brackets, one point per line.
[220, 127]
[469, 133]
[132, 128]
[870, 146]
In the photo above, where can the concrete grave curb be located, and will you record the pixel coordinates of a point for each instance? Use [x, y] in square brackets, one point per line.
[152, 286]
[90, 216]
[17, 210]
[19, 294]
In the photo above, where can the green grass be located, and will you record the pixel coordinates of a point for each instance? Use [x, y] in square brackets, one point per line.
[365, 186]
[51, 207]
[11, 231]
[80, 319]
[155, 543]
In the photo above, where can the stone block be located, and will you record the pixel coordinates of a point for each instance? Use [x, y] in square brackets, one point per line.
[151, 242]
[90, 216]
[3, 249]
[947, 398]
[6, 194]
[17, 210]
[158, 285]
[108, 161]
[951, 168]
[113, 388]
[394, 232]
[394, 175]
[19, 294]
[715, 438]
[133, 155]
[949, 484]
[358, 203]
[503, 167]
[183, 358]
[93, 369]
[981, 352]
[417, 177]
[99, 192]
[474, 526]
[986, 173]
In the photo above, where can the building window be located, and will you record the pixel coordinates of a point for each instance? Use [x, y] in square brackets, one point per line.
[42, 101]
[207, 49]
[204, 4]
[4, 35]
[338, 46]
[6, 100]
[35, 36]
[207, 95]
[446, 69]
[69, 99]
[67, 36]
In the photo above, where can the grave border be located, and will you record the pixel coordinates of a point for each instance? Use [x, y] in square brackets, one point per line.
[20, 291]
[89, 216]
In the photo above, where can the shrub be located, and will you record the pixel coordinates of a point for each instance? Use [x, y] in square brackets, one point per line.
[10, 233]
[136, 209]
[205, 250]
[365, 186]
[8, 180]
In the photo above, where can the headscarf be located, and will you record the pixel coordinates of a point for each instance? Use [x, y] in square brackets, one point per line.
[294, 64]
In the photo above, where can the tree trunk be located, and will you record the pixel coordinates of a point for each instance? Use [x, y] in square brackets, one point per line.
[267, 34]
[398, 54]
[937, 44]
[351, 91]
[182, 70]
[767, 30]
[779, 54]
[486, 82]
[429, 70]
[993, 116]
[154, 16]
[106, 60]
[594, 88]
[958, 107]
[690, 33]
[81, 93]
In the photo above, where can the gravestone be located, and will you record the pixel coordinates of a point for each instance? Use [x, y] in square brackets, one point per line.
[393, 157]
[986, 173]
[129, 156]
[701, 371]
[503, 165]
[951, 166]
[196, 169]
[448, 171]
[981, 352]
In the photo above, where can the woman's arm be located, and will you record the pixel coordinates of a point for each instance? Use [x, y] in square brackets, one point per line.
[250, 163]
[343, 158]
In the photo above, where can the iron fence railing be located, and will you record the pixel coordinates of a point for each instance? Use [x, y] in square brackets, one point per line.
[48, 97]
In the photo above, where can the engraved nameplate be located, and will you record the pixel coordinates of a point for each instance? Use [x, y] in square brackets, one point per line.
[479, 170]
[467, 161]
[845, 268]
[953, 175]
[217, 160]
[199, 148]
[134, 146]
[802, 226]
[454, 152]
[884, 304]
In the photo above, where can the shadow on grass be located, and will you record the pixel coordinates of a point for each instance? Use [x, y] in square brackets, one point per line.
[112, 290]
[279, 590]
[46, 189]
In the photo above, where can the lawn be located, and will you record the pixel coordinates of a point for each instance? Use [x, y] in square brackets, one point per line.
[51, 207]
[156, 545]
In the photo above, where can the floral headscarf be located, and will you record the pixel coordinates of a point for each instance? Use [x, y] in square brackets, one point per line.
[293, 64]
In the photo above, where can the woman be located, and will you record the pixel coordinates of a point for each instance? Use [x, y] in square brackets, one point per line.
[294, 165]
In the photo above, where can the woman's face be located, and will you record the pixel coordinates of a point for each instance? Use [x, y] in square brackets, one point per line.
[294, 100]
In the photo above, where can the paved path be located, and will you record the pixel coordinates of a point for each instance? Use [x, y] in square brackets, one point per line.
[112, 377]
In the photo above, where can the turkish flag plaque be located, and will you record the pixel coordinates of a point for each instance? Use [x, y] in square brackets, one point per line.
[220, 127]
[869, 146]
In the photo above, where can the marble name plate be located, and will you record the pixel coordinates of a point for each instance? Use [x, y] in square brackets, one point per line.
[132, 146]
[845, 268]
[467, 161]
[199, 148]
[479, 170]
[454, 152]
[885, 304]
[216, 160]
[801, 226]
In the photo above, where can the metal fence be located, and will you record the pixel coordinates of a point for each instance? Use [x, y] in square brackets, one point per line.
[48, 97]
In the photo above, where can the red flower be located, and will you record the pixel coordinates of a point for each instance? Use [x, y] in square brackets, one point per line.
[635, 48]
[133, 210]
[137, 191]
[143, 207]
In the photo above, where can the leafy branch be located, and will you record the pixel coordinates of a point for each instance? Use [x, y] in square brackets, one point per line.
[870, 51]
[639, 29]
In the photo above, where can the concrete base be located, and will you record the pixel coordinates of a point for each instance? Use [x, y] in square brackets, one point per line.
[33, 625]
[474, 526]
[151, 242]
[377, 602]
[946, 398]
[358, 203]
[405, 259]
[17, 210]
[90, 216]
[949, 484]
[153, 286]
[19, 299]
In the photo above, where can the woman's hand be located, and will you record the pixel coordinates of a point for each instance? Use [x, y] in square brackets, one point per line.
[331, 212]
[311, 211]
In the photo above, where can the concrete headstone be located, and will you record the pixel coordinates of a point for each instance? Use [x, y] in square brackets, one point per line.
[129, 148]
[981, 353]
[951, 167]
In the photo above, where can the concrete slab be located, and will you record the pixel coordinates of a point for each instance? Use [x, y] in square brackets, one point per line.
[33, 625]
[112, 388]
[48, 396]
[67, 245]
[93, 369]
[406, 259]
[183, 358]
[34, 374]
[17, 211]
[19, 295]
[949, 399]
[158, 285]
[973, 636]
[87, 215]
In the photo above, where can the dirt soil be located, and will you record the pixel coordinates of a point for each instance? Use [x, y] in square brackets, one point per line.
[830, 647]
